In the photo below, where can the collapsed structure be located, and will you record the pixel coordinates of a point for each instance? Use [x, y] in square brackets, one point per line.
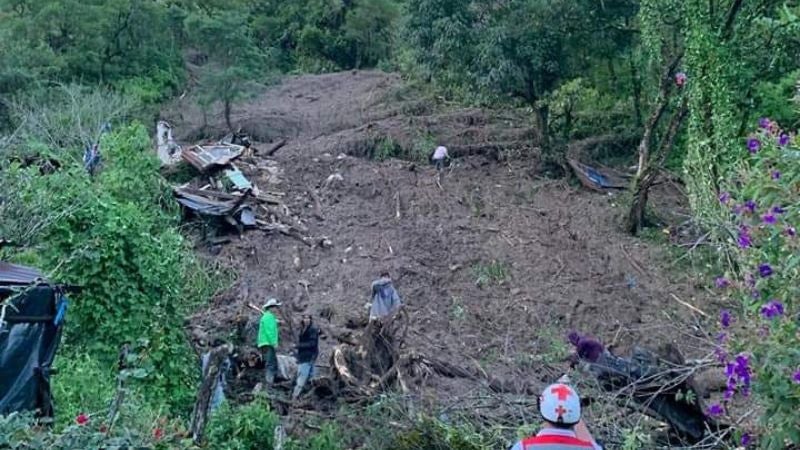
[32, 313]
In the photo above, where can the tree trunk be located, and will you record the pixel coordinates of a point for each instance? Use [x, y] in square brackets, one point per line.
[635, 220]
[662, 101]
[637, 92]
[208, 385]
[228, 115]
[542, 117]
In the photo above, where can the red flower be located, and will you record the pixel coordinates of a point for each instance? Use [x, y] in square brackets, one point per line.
[82, 419]
[158, 433]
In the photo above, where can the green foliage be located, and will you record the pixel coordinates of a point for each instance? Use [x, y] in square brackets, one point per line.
[21, 432]
[431, 434]
[773, 98]
[58, 122]
[442, 41]
[493, 273]
[110, 235]
[764, 333]
[635, 439]
[386, 148]
[247, 427]
[578, 110]
[238, 64]
[82, 384]
[90, 41]
[326, 35]
[329, 438]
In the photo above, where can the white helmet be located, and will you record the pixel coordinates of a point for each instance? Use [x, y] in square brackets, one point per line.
[560, 404]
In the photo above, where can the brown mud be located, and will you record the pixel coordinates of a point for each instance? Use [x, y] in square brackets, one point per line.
[495, 267]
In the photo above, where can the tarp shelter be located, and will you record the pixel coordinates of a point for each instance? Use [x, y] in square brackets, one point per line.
[31, 319]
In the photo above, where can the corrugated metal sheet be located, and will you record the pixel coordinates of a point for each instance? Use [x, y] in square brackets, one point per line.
[204, 157]
[16, 274]
[208, 202]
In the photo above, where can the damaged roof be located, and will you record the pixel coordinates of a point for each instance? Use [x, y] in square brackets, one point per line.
[205, 157]
[16, 274]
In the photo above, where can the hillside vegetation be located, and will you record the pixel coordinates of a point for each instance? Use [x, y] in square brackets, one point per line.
[498, 260]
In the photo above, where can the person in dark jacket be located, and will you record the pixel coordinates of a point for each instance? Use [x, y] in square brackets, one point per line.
[307, 352]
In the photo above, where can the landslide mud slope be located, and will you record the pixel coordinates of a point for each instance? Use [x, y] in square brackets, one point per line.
[495, 267]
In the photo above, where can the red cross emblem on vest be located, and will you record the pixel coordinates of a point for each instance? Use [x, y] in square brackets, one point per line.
[563, 392]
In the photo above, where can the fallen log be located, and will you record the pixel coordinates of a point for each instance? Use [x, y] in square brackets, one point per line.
[275, 147]
[286, 230]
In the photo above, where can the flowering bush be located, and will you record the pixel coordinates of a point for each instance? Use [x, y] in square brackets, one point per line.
[764, 203]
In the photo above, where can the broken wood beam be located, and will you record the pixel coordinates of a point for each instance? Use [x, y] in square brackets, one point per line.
[275, 147]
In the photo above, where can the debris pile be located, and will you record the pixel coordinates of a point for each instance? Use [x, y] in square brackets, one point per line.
[222, 195]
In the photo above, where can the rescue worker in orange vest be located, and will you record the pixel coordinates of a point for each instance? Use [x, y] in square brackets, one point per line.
[560, 407]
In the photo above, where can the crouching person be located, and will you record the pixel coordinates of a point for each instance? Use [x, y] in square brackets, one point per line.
[560, 408]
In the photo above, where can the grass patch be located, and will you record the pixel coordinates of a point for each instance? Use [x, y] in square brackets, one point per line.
[494, 273]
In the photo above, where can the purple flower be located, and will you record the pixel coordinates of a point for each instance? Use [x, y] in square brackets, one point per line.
[745, 439]
[742, 370]
[751, 206]
[765, 270]
[744, 238]
[753, 145]
[790, 231]
[574, 337]
[680, 79]
[776, 174]
[772, 309]
[725, 318]
[728, 394]
[764, 122]
[730, 369]
[721, 283]
[769, 219]
[721, 354]
[715, 410]
[724, 198]
[796, 376]
[778, 210]
[783, 140]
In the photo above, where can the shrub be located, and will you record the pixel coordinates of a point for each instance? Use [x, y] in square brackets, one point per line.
[246, 427]
[761, 354]
[116, 234]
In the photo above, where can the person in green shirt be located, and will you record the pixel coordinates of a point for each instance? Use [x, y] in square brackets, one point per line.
[268, 339]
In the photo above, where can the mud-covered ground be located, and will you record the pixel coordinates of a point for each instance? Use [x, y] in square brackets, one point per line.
[495, 266]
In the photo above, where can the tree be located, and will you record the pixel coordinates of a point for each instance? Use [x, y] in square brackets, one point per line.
[731, 48]
[442, 37]
[369, 31]
[525, 51]
[236, 65]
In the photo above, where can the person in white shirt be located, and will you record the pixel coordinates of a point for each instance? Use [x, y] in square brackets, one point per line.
[439, 155]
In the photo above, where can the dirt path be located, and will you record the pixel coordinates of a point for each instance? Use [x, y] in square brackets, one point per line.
[495, 268]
